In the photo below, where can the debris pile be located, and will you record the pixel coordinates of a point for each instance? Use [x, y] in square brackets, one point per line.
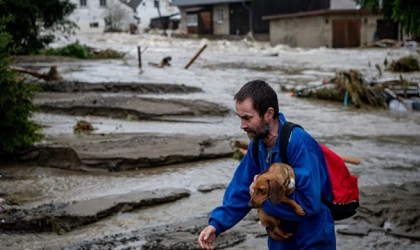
[83, 127]
[51, 75]
[351, 87]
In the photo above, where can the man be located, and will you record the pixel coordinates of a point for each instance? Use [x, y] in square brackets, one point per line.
[257, 106]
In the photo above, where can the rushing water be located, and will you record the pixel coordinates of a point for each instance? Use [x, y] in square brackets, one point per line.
[387, 142]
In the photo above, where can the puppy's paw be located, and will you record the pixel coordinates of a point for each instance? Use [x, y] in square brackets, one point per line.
[299, 210]
[287, 236]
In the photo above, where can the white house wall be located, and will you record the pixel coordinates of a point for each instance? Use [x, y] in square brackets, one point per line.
[147, 10]
[342, 4]
[86, 16]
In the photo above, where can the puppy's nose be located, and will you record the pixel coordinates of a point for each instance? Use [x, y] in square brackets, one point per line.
[251, 204]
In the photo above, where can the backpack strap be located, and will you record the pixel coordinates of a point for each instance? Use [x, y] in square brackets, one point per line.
[285, 132]
[284, 140]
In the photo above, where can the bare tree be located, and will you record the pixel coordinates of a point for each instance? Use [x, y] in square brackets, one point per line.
[115, 18]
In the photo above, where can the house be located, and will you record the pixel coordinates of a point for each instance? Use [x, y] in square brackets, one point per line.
[330, 23]
[221, 17]
[97, 16]
[148, 13]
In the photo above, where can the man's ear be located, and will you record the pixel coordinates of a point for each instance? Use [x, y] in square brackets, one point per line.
[269, 114]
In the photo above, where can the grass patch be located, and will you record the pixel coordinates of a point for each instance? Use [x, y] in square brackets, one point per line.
[80, 51]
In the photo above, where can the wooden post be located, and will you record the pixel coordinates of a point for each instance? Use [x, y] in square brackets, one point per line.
[139, 55]
[196, 55]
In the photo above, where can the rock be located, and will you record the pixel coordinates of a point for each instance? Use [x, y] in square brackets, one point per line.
[209, 188]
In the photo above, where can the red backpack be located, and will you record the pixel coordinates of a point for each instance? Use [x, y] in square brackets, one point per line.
[345, 190]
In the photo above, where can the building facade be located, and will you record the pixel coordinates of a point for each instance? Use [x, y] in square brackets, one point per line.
[216, 17]
[97, 16]
[333, 24]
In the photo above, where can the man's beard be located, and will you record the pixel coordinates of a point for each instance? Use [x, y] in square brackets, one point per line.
[258, 134]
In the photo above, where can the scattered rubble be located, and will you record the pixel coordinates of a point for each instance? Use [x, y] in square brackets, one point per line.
[83, 127]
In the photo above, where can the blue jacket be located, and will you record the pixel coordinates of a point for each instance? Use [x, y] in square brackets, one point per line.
[315, 230]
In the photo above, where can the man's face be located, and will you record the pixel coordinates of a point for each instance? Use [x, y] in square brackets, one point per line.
[256, 127]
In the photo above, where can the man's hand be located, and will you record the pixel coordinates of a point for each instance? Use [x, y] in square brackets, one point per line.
[252, 186]
[207, 237]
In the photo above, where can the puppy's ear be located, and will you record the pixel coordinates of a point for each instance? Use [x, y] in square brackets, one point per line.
[276, 191]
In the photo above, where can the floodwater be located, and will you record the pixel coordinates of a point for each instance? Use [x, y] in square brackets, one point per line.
[387, 142]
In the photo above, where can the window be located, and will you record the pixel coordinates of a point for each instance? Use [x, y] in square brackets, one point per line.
[102, 2]
[192, 20]
[94, 25]
[220, 15]
[83, 2]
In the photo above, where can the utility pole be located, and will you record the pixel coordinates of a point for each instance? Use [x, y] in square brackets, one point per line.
[157, 5]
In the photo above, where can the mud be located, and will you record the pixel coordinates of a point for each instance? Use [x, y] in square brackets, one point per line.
[118, 152]
[387, 219]
[135, 108]
[43, 59]
[113, 87]
[66, 217]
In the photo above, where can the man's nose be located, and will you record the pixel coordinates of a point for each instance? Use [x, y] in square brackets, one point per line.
[244, 125]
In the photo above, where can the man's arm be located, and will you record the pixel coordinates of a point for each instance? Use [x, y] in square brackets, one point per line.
[236, 197]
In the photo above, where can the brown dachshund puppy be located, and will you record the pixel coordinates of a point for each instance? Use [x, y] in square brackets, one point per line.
[274, 184]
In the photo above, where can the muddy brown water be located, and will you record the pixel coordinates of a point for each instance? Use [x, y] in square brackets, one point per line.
[386, 142]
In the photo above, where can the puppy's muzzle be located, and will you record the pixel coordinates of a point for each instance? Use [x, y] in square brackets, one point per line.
[251, 204]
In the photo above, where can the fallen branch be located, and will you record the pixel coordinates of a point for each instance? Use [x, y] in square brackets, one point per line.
[52, 75]
[195, 57]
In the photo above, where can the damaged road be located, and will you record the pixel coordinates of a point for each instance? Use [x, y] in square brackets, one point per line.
[118, 152]
[62, 218]
[135, 108]
[113, 87]
[371, 226]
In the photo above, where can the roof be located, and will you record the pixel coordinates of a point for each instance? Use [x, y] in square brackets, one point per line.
[134, 3]
[317, 13]
[181, 3]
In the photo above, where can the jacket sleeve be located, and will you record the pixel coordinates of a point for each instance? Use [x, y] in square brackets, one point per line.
[304, 159]
[236, 197]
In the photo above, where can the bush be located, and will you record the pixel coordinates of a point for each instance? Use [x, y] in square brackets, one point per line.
[83, 52]
[17, 130]
[405, 64]
[72, 50]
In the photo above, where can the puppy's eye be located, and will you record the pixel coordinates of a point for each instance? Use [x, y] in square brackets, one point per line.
[260, 190]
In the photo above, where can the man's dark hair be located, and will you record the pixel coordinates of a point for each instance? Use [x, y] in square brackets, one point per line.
[262, 97]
